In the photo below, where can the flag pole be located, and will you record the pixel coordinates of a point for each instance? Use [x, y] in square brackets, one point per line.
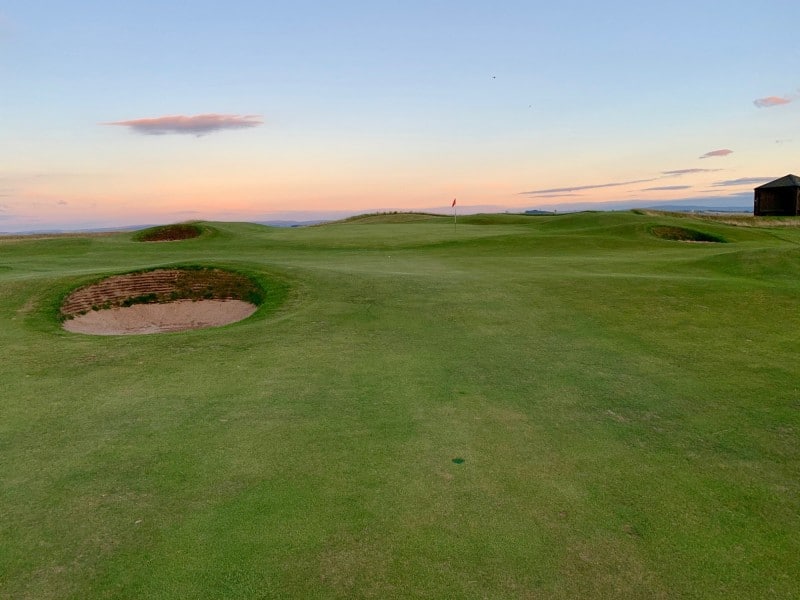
[455, 214]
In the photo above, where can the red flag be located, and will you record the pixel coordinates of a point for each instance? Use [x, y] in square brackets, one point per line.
[454, 202]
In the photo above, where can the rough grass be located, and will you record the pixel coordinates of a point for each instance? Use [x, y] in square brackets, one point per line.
[626, 411]
[740, 220]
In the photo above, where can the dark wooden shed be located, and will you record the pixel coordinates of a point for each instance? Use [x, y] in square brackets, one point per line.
[779, 197]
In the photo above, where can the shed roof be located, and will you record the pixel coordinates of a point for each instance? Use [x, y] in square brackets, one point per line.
[785, 181]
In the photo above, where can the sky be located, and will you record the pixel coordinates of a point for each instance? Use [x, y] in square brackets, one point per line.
[124, 113]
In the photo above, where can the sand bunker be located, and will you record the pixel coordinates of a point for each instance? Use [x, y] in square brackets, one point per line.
[161, 300]
[159, 318]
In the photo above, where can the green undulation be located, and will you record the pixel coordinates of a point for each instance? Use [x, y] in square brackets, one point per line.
[626, 408]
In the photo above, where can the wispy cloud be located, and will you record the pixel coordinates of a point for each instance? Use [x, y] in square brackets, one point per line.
[741, 181]
[558, 195]
[679, 172]
[570, 191]
[584, 187]
[771, 101]
[195, 125]
[721, 152]
[666, 188]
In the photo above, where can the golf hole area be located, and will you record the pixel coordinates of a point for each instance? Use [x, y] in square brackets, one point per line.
[160, 301]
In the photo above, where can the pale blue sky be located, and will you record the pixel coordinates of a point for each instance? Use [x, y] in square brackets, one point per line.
[384, 105]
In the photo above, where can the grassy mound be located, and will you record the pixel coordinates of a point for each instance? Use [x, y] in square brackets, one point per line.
[683, 234]
[389, 217]
[169, 233]
[161, 285]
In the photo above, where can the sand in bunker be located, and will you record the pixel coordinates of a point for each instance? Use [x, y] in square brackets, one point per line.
[157, 318]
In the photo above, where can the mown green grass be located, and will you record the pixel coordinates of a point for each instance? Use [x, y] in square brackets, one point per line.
[626, 407]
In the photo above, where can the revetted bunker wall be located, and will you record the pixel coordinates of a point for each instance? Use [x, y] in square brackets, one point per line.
[161, 285]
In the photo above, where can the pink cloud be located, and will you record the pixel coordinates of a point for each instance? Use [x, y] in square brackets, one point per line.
[770, 101]
[722, 152]
[580, 188]
[666, 188]
[196, 125]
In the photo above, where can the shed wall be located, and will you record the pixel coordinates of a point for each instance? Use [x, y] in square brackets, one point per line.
[777, 201]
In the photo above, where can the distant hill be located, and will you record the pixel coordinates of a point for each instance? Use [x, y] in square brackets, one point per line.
[77, 231]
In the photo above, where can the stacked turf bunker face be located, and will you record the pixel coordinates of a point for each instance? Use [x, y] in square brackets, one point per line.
[167, 288]
[683, 234]
[169, 233]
